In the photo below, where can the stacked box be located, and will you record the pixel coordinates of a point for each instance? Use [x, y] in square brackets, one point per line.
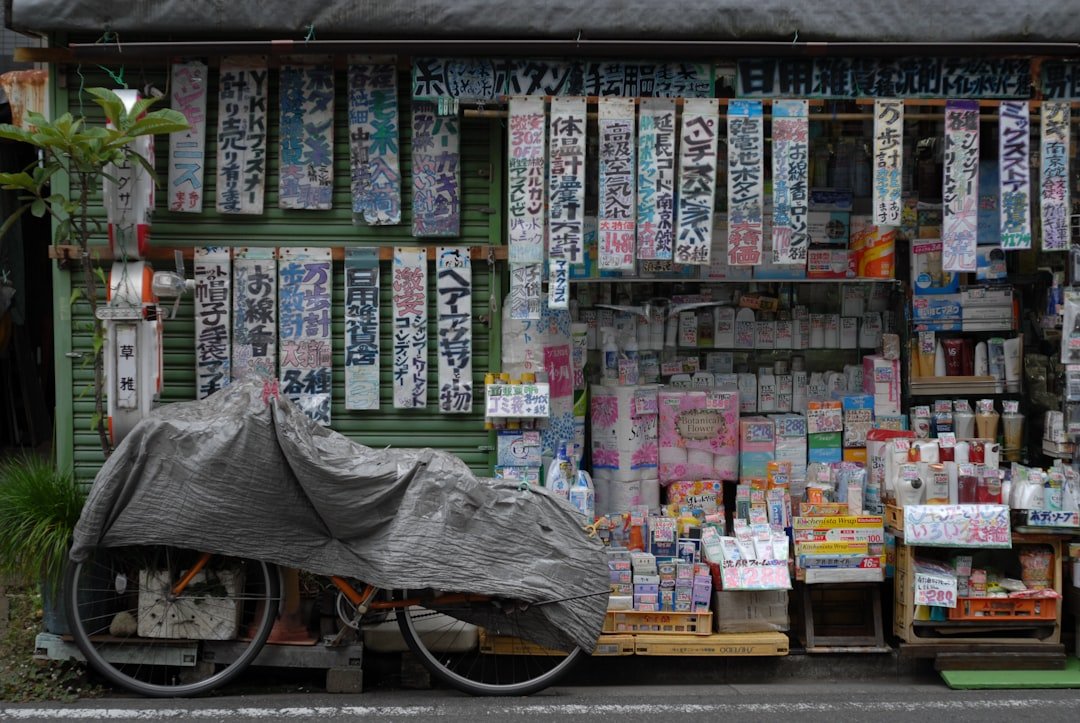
[757, 447]
[698, 435]
[824, 427]
[858, 418]
[739, 611]
[881, 378]
[646, 582]
[790, 435]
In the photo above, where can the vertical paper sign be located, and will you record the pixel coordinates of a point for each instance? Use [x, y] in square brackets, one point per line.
[888, 160]
[617, 202]
[362, 328]
[697, 180]
[410, 328]
[791, 196]
[212, 319]
[525, 180]
[1054, 203]
[373, 140]
[525, 290]
[187, 149]
[1014, 136]
[454, 288]
[960, 190]
[559, 283]
[306, 135]
[241, 136]
[566, 179]
[254, 348]
[436, 172]
[304, 287]
[656, 179]
[745, 183]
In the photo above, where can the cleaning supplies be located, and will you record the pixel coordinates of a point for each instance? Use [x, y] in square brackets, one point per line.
[560, 473]
[582, 495]
[610, 356]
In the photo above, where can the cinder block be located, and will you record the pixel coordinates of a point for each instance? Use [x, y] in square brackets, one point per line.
[345, 679]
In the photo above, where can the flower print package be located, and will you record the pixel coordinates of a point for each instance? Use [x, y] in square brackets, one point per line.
[624, 428]
[699, 435]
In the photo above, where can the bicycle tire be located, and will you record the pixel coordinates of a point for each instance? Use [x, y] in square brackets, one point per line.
[502, 666]
[167, 654]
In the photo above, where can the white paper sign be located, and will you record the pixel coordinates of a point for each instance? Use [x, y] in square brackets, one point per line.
[566, 179]
[1054, 194]
[888, 160]
[454, 287]
[957, 525]
[525, 180]
[791, 194]
[304, 288]
[306, 134]
[697, 180]
[525, 291]
[213, 322]
[362, 328]
[187, 149]
[410, 328]
[745, 182]
[517, 400]
[656, 179]
[373, 140]
[617, 203]
[960, 190]
[1015, 129]
[241, 135]
[127, 366]
[936, 590]
[558, 283]
[436, 172]
[254, 344]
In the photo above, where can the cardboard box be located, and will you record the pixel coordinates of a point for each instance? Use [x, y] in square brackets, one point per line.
[874, 248]
[740, 611]
[831, 264]
[926, 272]
[829, 228]
[757, 446]
[881, 378]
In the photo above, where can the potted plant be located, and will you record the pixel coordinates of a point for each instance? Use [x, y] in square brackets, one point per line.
[39, 507]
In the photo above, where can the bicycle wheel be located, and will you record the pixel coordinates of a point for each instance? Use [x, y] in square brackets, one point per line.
[138, 635]
[474, 662]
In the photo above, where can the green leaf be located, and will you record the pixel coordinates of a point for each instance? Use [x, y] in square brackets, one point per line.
[76, 294]
[12, 219]
[109, 101]
[100, 273]
[38, 208]
[162, 121]
[14, 133]
[145, 164]
[15, 181]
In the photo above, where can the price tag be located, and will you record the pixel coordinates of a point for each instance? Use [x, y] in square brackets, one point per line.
[936, 590]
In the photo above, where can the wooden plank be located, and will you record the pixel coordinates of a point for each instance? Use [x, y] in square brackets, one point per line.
[999, 661]
[717, 644]
[607, 645]
[979, 647]
[478, 252]
[611, 645]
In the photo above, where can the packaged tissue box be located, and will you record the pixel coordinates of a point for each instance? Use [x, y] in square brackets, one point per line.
[698, 435]
[706, 495]
[757, 447]
[790, 433]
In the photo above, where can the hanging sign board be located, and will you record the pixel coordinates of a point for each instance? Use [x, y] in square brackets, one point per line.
[517, 400]
[213, 323]
[373, 140]
[957, 525]
[1015, 130]
[566, 179]
[361, 328]
[525, 180]
[960, 189]
[306, 144]
[617, 202]
[436, 172]
[656, 179]
[888, 160]
[304, 287]
[745, 183]
[410, 328]
[241, 135]
[525, 291]
[1054, 200]
[453, 285]
[697, 180]
[187, 149]
[254, 344]
[791, 193]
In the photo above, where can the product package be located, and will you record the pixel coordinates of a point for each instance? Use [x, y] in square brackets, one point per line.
[698, 436]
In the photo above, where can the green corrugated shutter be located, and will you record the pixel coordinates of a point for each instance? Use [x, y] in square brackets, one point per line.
[463, 435]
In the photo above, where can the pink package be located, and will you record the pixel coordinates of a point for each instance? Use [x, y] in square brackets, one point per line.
[698, 435]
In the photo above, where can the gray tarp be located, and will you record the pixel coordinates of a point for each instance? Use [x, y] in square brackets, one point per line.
[236, 476]
[921, 21]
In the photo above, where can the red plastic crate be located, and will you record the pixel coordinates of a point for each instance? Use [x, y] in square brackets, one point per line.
[1004, 608]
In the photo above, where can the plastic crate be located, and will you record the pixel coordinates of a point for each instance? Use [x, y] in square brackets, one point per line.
[1004, 608]
[658, 623]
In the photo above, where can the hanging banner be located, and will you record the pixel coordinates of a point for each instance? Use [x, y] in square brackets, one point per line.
[304, 288]
[436, 172]
[254, 347]
[306, 145]
[697, 180]
[559, 283]
[566, 179]
[791, 195]
[241, 135]
[187, 149]
[888, 160]
[656, 179]
[616, 204]
[454, 287]
[525, 180]
[960, 190]
[525, 290]
[361, 328]
[373, 140]
[410, 328]
[212, 319]
[1054, 201]
[552, 336]
[1014, 135]
[745, 183]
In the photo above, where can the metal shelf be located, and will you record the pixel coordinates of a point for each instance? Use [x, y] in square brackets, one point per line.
[636, 280]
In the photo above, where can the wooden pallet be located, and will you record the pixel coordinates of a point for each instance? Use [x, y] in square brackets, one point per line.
[717, 644]
[989, 655]
[507, 645]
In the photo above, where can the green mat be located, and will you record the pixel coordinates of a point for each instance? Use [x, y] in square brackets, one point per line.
[987, 679]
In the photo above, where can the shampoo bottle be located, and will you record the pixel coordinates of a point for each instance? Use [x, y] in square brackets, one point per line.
[582, 496]
[560, 473]
[610, 354]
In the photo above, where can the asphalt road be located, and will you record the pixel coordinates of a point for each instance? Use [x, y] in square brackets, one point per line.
[835, 702]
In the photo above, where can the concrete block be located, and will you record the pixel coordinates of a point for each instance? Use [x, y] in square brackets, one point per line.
[345, 679]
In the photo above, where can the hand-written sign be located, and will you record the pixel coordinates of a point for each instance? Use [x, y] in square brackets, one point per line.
[1015, 176]
[525, 180]
[454, 288]
[373, 140]
[525, 290]
[558, 283]
[888, 160]
[304, 288]
[755, 575]
[745, 183]
[1054, 201]
[410, 328]
[212, 319]
[936, 590]
[1053, 518]
[241, 136]
[791, 167]
[960, 189]
[361, 328]
[617, 201]
[697, 180]
[566, 179]
[656, 179]
[306, 144]
[187, 149]
[517, 400]
[254, 348]
[436, 172]
[957, 525]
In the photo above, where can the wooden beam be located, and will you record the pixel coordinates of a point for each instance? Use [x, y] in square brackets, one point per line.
[478, 252]
[43, 55]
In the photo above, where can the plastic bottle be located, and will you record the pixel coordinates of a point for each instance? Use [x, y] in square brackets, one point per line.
[633, 362]
[560, 473]
[582, 495]
[610, 355]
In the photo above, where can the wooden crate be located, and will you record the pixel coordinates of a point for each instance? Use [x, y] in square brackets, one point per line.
[615, 645]
[718, 644]
[1003, 608]
[894, 519]
[658, 623]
